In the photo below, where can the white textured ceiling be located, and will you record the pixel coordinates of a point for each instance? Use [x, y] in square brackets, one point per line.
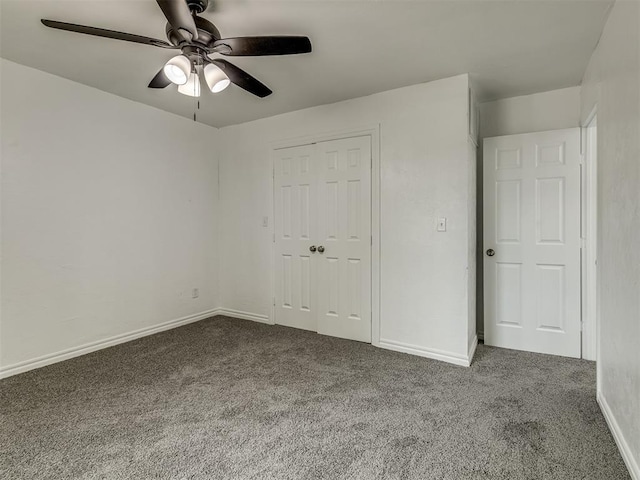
[512, 47]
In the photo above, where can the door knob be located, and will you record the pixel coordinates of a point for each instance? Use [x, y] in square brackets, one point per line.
[321, 249]
[491, 252]
[312, 249]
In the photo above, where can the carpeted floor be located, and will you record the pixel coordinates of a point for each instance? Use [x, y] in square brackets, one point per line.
[231, 399]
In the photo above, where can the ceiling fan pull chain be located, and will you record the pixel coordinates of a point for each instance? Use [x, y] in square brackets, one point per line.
[195, 102]
[196, 99]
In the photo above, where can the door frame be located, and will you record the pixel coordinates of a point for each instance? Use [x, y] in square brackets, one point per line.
[373, 131]
[589, 237]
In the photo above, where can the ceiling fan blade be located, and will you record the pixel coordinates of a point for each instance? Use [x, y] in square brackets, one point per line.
[243, 79]
[160, 80]
[101, 32]
[179, 17]
[255, 46]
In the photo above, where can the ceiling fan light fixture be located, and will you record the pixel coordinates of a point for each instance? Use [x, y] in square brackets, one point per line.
[198, 38]
[178, 69]
[192, 87]
[216, 79]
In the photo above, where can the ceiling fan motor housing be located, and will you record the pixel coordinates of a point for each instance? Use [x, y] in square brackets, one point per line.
[207, 33]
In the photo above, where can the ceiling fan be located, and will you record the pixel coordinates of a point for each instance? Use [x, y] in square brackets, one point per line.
[198, 38]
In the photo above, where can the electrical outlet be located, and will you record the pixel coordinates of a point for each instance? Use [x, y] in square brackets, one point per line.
[195, 293]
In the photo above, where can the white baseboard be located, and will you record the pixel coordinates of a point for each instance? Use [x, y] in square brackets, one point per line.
[255, 317]
[44, 360]
[68, 353]
[472, 349]
[623, 446]
[387, 344]
[434, 354]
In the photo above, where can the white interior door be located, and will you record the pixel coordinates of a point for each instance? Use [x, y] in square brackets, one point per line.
[322, 237]
[532, 242]
[295, 184]
[344, 214]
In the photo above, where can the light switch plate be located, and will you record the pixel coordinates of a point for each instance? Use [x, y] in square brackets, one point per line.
[442, 224]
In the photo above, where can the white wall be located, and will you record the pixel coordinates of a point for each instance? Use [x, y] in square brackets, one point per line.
[553, 110]
[539, 112]
[612, 82]
[108, 216]
[424, 175]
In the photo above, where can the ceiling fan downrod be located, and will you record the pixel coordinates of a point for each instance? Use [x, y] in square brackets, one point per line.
[197, 6]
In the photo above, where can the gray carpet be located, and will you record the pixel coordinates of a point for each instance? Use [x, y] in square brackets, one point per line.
[231, 399]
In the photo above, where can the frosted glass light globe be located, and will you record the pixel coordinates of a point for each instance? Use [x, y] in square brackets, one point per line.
[178, 69]
[192, 87]
[216, 79]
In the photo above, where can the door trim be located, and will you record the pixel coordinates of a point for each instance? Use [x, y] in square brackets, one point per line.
[372, 131]
[589, 228]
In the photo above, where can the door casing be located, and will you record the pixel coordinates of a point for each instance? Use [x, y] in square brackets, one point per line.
[589, 229]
